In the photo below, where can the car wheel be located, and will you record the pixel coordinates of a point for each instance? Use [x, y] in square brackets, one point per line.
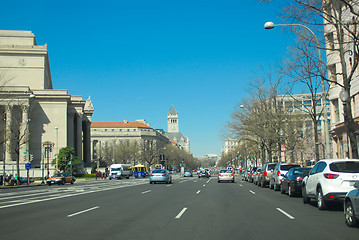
[72, 181]
[49, 184]
[150, 182]
[320, 200]
[282, 191]
[275, 188]
[304, 195]
[219, 181]
[262, 184]
[349, 213]
[290, 192]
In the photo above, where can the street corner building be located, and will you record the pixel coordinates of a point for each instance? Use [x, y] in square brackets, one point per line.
[36, 120]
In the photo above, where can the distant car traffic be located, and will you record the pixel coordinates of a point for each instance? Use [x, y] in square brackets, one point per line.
[265, 174]
[203, 173]
[61, 179]
[187, 173]
[226, 175]
[330, 180]
[351, 207]
[292, 181]
[160, 175]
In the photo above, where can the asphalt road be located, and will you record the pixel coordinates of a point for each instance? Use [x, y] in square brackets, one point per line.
[190, 208]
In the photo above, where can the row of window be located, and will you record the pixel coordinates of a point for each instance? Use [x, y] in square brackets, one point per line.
[118, 130]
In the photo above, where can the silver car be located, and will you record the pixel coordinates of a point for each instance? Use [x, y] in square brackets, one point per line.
[351, 207]
[226, 175]
[278, 173]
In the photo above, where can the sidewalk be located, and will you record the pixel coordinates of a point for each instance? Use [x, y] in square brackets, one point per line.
[36, 183]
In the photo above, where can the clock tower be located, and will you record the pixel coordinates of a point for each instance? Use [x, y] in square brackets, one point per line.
[172, 121]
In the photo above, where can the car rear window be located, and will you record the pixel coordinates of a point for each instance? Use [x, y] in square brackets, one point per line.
[287, 167]
[159, 171]
[346, 167]
[271, 166]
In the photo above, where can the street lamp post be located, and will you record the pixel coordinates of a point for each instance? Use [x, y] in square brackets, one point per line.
[271, 25]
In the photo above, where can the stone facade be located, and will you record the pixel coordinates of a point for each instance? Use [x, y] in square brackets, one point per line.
[30, 107]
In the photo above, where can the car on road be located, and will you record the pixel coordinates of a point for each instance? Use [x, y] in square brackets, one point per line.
[265, 174]
[245, 174]
[351, 207]
[61, 179]
[226, 175]
[187, 173]
[292, 181]
[203, 173]
[330, 180]
[160, 175]
[278, 173]
[251, 172]
[255, 175]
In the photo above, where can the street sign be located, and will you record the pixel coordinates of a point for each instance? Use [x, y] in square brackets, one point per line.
[27, 166]
[345, 142]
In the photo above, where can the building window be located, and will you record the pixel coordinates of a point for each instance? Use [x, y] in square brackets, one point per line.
[333, 72]
[330, 40]
[105, 130]
[336, 110]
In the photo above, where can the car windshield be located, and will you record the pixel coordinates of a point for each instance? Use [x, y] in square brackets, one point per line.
[287, 167]
[58, 175]
[115, 169]
[226, 171]
[345, 167]
[159, 171]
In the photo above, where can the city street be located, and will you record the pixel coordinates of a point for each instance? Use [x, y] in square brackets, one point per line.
[190, 208]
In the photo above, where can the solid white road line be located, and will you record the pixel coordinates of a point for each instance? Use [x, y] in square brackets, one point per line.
[287, 214]
[146, 192]
[181, 213]
[252, 192]
[87, 210]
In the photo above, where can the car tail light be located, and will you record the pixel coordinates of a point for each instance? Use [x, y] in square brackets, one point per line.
[278, 173]
[164, 175]
[232, 175]
[298, 179]
[219, 175]
[151, 175]
[252, 174]
[257, 174]
[331, 197]
[265, 174]
[331, 175]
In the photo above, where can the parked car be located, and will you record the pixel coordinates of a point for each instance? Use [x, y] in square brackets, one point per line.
[203, 173]
[330, 180]
[187, 173]
[251, 172]
[351, 207]
[255, 176]
[226, 175]
[292, 181]
[278, 173]
[160, 175]
[61, 178]
[265, 174]
[245, 174]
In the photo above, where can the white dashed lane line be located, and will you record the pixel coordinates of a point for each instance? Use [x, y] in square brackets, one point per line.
[181, 213]
[87, 210]
[146, 192]
[252, 192]
[285, 213]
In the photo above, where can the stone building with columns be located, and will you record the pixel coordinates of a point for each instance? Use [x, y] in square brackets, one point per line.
[33, 114]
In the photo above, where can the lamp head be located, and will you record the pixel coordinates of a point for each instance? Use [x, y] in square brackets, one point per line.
[343, 95]
[268, 25]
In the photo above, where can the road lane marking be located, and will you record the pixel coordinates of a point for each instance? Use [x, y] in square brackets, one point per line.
[181, 213]
[252, 192]
[285, 213]
[87, 210]
[198, 191]
[146, 192]
[240, 185]
[208, 180]
[204, 185]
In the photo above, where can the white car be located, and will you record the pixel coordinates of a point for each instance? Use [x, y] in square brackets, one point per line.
[225, 175]
[330, 180]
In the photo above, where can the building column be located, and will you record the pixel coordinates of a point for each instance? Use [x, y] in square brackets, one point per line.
[24, 134]
[7, 133]
[87, 141]
[78, 137]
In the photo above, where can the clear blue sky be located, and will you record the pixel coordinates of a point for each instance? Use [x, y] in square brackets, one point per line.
[136, 58]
